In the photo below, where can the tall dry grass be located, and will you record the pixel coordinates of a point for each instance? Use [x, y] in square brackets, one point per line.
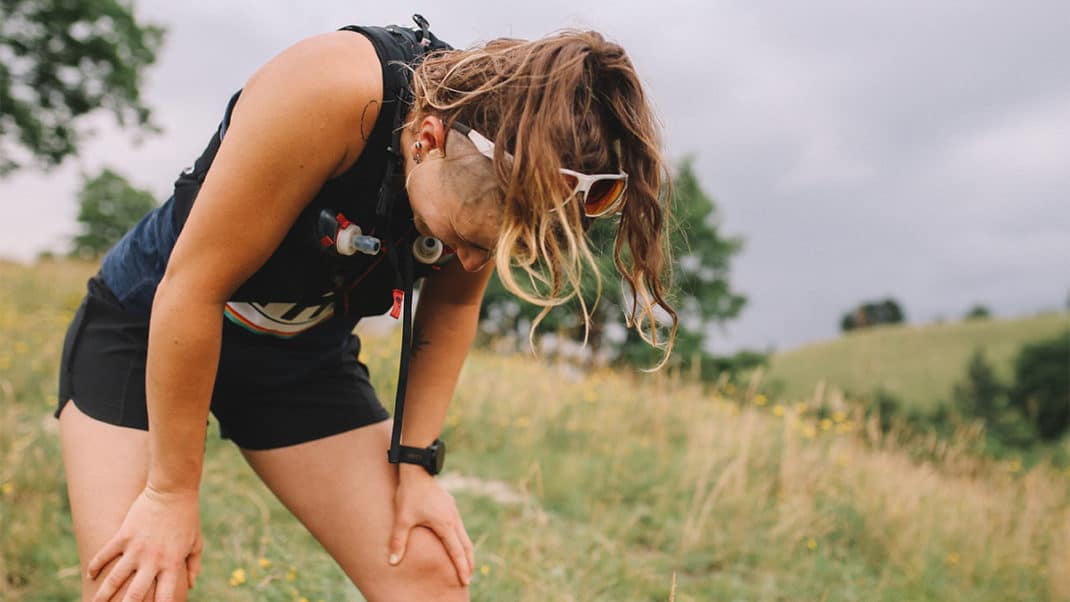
[621, 488]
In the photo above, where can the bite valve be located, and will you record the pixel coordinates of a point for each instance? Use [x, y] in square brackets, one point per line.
[427, 250]
[350, 241]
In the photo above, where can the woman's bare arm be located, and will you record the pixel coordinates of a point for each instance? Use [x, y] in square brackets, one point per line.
[297, 123]
[443, 330]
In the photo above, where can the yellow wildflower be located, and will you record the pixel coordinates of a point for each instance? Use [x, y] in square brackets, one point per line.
[826, 424]
[839, 416]
[263, 562]
[484, 570]
[778, 410]
[760, 399]
[953, 558]
[291, 575]
[237, 577]
[811, 544]
[7, 488]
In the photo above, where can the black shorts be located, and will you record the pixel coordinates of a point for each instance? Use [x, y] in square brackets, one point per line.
[267, 394]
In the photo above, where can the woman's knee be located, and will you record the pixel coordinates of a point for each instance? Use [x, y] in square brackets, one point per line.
[426, 571]
[90, 586]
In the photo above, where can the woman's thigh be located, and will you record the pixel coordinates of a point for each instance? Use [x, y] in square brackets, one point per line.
[342, 489]
[106, 467]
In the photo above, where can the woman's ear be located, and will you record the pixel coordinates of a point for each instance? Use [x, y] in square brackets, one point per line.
[431, 134]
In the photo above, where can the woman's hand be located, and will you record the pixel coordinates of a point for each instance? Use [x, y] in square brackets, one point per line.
[160, 536]
[421, 502]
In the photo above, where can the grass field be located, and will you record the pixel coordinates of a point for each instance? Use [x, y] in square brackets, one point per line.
[599, 488]
[917, 364]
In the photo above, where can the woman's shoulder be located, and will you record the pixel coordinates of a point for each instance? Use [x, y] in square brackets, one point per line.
[333, 64]
[331, 84]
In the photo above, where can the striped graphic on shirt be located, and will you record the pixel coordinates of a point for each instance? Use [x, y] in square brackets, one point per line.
[282, 320]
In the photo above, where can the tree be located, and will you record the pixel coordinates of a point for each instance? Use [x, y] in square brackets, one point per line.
[108, 206]
[872, 313]
[1042, 385]
[978, 312]
[701, 290]
[980, 395]
[60, 60]
[703, 295]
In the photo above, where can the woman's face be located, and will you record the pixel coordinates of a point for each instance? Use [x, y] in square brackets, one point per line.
[469, 227]
[452, 200]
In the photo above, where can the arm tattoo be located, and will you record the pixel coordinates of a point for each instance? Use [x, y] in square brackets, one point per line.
[363, 114]
[419, 341]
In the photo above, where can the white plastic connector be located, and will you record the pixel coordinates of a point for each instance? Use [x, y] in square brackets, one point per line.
[427, 250]
[350, 240]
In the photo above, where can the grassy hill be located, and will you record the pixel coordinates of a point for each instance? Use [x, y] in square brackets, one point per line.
[606, 487]
[918, 364]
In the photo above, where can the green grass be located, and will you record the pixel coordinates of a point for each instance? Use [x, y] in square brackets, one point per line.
[623, 482]
[917, 364]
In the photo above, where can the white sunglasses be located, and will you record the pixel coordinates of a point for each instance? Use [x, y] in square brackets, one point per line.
[602, 194]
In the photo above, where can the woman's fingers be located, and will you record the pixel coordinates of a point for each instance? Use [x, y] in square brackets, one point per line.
[166, 584]
[469, 549]
[140, 584]
[193, 561]
[115, 579]
[455, 548]
[193, 568]
[399, 539]
[113, 548]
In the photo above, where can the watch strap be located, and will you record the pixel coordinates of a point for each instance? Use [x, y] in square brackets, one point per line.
[414, 455]
[429, 457]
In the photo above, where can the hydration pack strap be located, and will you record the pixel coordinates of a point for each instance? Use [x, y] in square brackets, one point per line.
[394, 454]
[401, 259]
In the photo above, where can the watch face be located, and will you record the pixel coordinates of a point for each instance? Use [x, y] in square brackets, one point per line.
[439, 454]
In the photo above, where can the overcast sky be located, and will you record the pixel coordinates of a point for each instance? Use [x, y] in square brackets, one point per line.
[862, 149]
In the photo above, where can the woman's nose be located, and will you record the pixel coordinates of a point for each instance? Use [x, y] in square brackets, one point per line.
[471, 261]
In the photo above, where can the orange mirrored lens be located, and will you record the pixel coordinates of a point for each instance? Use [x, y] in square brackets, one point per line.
[602, 195]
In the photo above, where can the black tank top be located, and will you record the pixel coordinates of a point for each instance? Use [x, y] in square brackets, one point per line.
[300, 291]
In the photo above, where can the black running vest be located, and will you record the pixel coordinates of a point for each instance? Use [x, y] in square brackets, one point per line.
[300, 288]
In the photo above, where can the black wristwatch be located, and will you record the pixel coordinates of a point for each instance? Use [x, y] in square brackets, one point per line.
[431, 457]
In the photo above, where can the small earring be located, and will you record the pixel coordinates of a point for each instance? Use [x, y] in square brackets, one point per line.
[416, 146]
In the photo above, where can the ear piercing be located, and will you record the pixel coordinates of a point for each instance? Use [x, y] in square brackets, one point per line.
[431, 154]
